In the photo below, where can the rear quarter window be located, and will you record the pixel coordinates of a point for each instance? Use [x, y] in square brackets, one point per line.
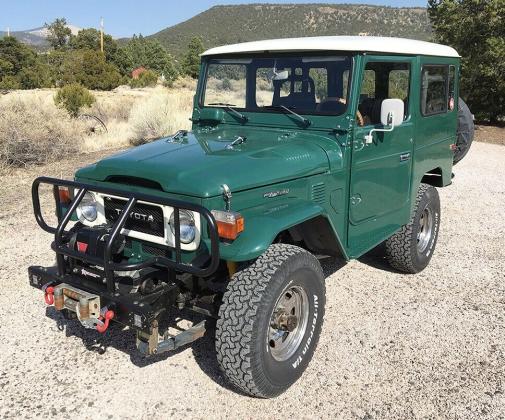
[434, 90]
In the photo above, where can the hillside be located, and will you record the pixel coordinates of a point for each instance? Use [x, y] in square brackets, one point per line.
[230, 24]
[36, 37]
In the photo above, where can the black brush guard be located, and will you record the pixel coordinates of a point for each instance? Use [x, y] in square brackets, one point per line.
[109, 266]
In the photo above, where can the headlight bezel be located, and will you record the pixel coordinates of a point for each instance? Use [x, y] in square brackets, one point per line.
[183, 216]
[88, 203]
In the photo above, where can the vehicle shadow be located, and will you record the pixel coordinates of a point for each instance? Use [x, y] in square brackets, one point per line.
[376, 258]
[119, 337]
[123, 339]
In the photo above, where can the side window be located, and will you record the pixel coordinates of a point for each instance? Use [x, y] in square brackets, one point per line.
[320, 77]
[368, 85]
[434, 90]
[452, 88]
[398, 84]
[383, 80]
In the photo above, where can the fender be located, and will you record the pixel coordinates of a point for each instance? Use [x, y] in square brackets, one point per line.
[264, 223]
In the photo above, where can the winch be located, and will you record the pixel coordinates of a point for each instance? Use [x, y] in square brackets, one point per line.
[85, 305]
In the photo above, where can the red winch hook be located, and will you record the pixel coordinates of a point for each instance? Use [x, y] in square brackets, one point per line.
[49, 295]
[108, 316]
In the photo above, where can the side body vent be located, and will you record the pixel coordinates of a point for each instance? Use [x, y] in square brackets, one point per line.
[318, 194]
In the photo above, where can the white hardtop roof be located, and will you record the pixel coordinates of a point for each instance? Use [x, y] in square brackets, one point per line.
[374, 44]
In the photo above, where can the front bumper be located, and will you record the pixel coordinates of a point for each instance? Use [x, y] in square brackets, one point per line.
[137, 311]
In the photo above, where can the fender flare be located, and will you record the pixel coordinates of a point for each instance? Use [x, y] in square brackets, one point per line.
[264, 223]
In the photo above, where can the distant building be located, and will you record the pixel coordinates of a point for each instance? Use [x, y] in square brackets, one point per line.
[137, 72]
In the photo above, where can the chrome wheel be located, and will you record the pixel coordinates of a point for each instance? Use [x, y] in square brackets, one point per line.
[288, 323]
[425, 231]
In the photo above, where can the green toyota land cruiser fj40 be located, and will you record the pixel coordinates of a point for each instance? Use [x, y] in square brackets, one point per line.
[300, 148]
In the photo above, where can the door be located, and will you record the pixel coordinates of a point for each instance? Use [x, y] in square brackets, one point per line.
[381, 170]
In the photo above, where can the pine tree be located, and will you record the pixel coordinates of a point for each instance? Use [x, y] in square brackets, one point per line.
[191, 60]
[476, 29]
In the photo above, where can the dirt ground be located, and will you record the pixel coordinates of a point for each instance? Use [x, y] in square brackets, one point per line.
[490, 134]
[430, 345]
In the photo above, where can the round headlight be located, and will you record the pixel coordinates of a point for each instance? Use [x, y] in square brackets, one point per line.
[187, 226]
[87, 207]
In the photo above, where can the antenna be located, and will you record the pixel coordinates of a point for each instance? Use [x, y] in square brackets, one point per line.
[101, 34]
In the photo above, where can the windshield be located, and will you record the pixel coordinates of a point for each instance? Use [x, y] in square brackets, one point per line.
[307, 85]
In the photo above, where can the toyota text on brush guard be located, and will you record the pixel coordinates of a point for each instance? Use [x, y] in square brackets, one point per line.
[299, 149]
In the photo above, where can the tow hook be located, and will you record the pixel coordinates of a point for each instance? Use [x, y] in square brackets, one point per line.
[105, 316]
[85, 305]
[48, 293]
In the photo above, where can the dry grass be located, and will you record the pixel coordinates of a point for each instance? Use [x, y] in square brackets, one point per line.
[33, 130]
[161, 114]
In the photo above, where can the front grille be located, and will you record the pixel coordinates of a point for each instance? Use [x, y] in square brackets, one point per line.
[144, 218]
[153, 250]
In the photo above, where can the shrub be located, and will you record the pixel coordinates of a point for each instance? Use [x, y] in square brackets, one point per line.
[160, 114]
[10, 82]
[226, 84]
[145, 79]
[73, 97]
[33, 130]
[89, 68]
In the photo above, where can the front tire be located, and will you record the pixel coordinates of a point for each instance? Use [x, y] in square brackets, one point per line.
[411, 248]
[270, 321]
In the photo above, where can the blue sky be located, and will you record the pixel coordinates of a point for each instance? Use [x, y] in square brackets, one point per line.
[126, 17]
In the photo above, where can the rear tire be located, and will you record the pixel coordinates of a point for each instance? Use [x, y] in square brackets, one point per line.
[270, 320]
[411, 248]
[466, 131]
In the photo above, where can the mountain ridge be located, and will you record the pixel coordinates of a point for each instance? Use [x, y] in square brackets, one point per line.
[228, 24]
[36, 37]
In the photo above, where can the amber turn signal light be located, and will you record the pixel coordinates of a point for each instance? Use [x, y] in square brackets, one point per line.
[229, 223]
[64, 195]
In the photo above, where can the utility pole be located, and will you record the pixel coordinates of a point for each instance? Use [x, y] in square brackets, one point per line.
[101, 34]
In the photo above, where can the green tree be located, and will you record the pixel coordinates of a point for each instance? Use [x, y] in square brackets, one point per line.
[90, 69]
[150, 54]
[476, 29]
[14, 56]
[73, 98]
[58, 33]
[36, 76]
[191, 60]
[20, 67]
[10, 82]
[90, 39]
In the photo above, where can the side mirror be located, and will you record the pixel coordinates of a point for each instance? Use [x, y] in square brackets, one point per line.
[392, 111]
[275, 75]
[282, 75]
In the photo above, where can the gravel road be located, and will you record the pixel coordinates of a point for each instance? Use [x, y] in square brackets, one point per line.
[430, 345]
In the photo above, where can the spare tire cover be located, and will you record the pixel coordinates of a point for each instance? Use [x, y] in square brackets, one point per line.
[465, 133]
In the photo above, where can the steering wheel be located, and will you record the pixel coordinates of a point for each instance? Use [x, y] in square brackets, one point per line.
[359, 118]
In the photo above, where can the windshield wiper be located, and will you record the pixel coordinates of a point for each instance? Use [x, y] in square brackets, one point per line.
[306, 122]
[230, 108]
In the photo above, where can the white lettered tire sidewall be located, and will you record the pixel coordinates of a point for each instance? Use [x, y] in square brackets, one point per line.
[242, 328]
[286, 372]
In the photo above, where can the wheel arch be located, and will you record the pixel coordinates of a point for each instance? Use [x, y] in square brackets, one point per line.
[297, 220]
[433, 177]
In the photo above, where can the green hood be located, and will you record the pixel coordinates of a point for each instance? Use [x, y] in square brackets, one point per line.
[199, 163]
